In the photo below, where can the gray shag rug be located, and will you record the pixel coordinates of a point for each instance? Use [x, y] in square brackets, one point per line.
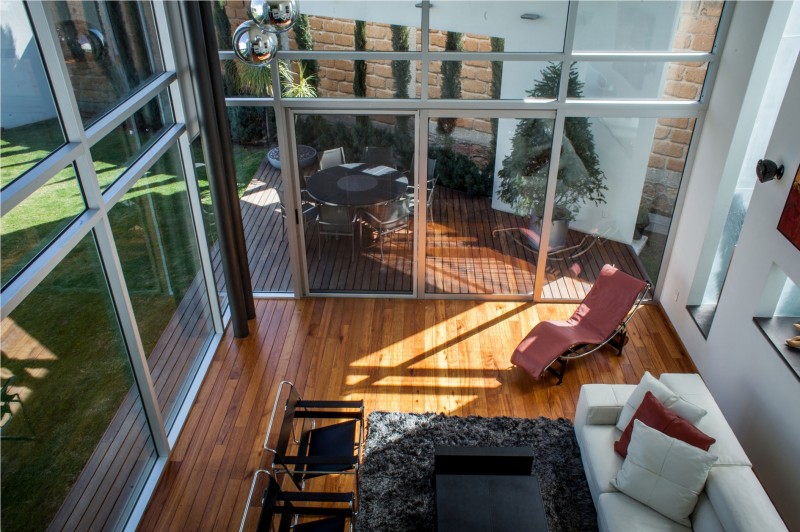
[397, 491]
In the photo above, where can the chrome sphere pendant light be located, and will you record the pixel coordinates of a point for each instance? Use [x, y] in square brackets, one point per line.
[255, 42]
[253, 45]
[275, 16]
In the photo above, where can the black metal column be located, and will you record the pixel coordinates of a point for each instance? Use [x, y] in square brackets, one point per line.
[235, 271]
[218, 92]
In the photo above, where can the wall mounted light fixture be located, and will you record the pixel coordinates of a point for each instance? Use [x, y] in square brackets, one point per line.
[767, 170]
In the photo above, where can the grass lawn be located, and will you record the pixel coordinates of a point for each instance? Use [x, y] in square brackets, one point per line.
[73, 371]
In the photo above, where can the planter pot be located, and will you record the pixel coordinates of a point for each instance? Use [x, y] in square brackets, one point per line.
[558, 233]
[306, 154]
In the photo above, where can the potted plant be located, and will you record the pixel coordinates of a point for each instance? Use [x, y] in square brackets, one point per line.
[523, 176]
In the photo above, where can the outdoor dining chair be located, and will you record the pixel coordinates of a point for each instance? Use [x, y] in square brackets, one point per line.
[388, 218]
[308, 207]
[600, 319]
[383, 155]
[331, 158]
[431, 180]
[336, 220]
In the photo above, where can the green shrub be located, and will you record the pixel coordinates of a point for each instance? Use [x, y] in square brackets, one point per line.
[457, 171]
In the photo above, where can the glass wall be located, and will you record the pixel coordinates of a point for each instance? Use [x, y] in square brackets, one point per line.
[106, 314]
[618, 183]
[476, 69]
[357, 198]
[478, 228]
[71, 388]
[154, 233]
[33, 224]
[110, 48]
[31, 130]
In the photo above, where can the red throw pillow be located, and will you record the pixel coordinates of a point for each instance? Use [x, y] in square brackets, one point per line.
[654, 414]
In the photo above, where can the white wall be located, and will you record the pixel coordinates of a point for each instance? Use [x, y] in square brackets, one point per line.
[757, 392]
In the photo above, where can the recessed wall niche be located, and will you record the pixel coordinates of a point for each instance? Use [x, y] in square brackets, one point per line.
[778, 317]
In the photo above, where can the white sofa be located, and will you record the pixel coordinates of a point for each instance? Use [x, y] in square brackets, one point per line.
[733, 499]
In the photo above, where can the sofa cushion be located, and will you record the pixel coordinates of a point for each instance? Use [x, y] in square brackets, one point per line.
[600, 404]
[599, 459]
[664, 473]
[663, 393]
[655, 415]
[704, 518]
[727, 448]
[617, 511]
[740, 501]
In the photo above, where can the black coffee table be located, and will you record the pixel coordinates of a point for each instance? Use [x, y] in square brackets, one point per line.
[467, 502]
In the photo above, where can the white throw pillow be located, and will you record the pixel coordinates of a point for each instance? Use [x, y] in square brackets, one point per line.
[663, 473]
[688, 411]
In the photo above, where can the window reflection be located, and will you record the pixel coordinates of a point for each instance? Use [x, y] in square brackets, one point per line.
[64, 356]
[31, 129]
[109, 51]
[33, 224]
[119, 149]
[155, 238]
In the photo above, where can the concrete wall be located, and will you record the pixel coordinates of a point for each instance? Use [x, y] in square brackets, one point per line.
[751, 115]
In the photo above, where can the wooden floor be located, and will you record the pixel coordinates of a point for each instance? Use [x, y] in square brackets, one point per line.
[401, 355]
[462, 255]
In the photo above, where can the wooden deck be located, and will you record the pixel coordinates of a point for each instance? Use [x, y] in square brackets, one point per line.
[462, 255]
[396, 355]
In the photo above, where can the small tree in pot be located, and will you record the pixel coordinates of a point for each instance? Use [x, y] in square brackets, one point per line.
[523, 177]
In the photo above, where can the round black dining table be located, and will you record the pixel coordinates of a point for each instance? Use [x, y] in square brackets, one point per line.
[356, 185]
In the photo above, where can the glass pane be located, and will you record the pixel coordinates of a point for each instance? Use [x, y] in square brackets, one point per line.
[111, 50]
[672, 81]
[496, 80]
[76, 431]
[514, 26]
[120, 148]
[155, 238]
[618, 181]
[29, 120]
[357, 205]
[30, 226]
[646, 26]
[209, 219]
[474, 241]
[254, 138]
[326, 79]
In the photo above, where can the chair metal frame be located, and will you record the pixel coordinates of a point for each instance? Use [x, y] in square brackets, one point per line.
[616, 339]
[289, 512]
[312, 411]
[388, 226]
[328, 228]
[330, 153]
[565, 254]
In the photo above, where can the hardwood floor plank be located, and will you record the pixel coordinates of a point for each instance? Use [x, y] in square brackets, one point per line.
[405, 355]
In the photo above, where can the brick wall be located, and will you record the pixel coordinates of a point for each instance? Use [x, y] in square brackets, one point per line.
[697, 27]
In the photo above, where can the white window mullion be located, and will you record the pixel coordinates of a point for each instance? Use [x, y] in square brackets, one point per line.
[549, 201]
[569, 37]
[18, 190]
[73, 126]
